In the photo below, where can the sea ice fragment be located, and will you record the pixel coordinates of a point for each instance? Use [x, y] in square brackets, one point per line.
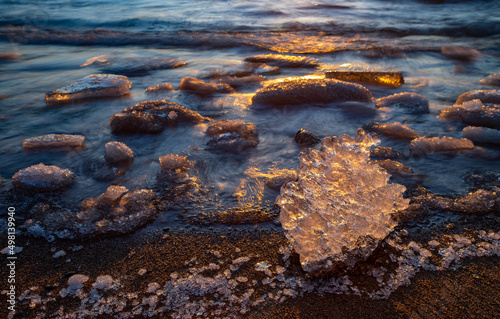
[482, 134]
[395, 129]
[425, 145]
[341, 205]
[474, 112]
[493, 79]
[42, 177]
[118, 152]
[380, 77]
[204, 88]
[53, 141]
[288, 61]
[91, 86]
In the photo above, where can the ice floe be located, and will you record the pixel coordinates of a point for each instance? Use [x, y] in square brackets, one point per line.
[42, 177]
[53, 141]
[425, 145]
[392, 129]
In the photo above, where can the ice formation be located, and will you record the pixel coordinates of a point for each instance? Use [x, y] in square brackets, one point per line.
[232, 136]
[160, 87]
[174, 162]
[133, 65]
[493, 79]
[384, 152]
[341, 205]
[91, 86]
[242, 70]
[412, 102]
[204, 88]
[296, 91]
[152, 117]
[388, 78]
[424, 145]
[286, 61]
[118, 152]
[53, 141]
[485, 96]
[474, 112]
[395, 129]
[42, 177]
[482, 134]
[394, 167]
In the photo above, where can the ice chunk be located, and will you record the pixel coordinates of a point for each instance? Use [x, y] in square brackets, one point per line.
[281, 177]
[133, 66]
[412, 102]
[174, 162]
[341, 205]
[152, 117]
[395, 129]
[204, 88]
[493, 79]
[42, 177]
[482, 134]
[298, 91]
[58, 254]
[242, 70]
[304, 137]
[460, 53]
[425, 145]
[485, 96]
[473, 112]
[53, 140]
[118, 152]
[76, 282]
[387, 78]
[285, 61]
[160, 87]
[103, 282]
[384, 152]
[394, 167]
[232, 135]
[236, 82]
[91, 86]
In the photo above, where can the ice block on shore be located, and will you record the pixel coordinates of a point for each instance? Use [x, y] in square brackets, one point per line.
[387, 78]
[91, 86]
[53, 141]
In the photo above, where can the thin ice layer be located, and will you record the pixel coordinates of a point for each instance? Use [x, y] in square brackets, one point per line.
[341, 205]
[91, 86]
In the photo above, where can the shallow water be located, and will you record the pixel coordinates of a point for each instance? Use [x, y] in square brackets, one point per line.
[54, 42]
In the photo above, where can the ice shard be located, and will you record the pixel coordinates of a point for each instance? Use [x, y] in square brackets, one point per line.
[341, 205]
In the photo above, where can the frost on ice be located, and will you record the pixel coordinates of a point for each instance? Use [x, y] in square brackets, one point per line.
[341, 205]
[91, 86]
[42, 177]
[53, 141]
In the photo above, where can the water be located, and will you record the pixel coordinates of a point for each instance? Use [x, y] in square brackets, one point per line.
[55, 38]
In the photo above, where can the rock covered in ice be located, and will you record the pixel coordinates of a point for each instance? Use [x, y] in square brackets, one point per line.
[204, 88]
[388, 78]
[341, 205]
[117, 152]
[53, 141]
[174, 162]
[235, 135]
[160, 87]
[493, 79]
[412, 102]
[280, 178]
[285, 61]
[460, 53]
[482, 134]
[306, 91]
[304, 137]
[40, 178]
[133, 66]
[395, 129]
[243, 70]
[424, 145]
[116, 211]
[475, 113]
[485, 96]
[394, 167]
[384, 152]
[91, 86]
[76, 282]
[103, 282]
[152, 117]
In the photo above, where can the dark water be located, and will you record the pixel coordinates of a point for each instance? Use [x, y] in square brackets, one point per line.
[55, 38]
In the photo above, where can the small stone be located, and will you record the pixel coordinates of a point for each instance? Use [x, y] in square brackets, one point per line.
[40, 178]
[104, 282]
[304, 137]
[117, 152]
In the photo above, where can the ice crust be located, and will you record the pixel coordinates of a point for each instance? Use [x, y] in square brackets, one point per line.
[424, 145]
[471, 110]
[91, 86]
[341, 205]
[42, 177]
[118, 152]
[53, 141]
